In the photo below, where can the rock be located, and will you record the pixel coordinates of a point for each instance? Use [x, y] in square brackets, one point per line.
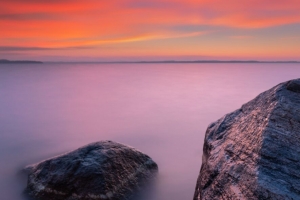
[102, 171]
[254, 152]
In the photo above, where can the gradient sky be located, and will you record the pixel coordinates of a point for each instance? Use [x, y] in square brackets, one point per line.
[101, 30]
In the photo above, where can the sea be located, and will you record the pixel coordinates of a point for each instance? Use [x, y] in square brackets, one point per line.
[161, 109]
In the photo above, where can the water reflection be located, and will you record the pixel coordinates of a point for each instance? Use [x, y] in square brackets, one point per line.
[163, 110]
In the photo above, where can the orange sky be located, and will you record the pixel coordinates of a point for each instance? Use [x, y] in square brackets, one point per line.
[150, 29]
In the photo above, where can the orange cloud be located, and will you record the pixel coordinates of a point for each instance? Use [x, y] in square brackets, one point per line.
[72, 23]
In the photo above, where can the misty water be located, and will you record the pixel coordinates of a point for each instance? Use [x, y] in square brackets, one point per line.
[161, 109]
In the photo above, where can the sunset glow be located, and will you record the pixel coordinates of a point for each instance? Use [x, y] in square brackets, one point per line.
[96, 30]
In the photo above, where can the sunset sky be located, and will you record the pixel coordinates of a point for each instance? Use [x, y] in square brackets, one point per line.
[104, 30]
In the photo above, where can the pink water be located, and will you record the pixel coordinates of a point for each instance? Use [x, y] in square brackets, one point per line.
[161, 109]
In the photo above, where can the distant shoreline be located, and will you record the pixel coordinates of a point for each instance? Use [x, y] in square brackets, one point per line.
[4, 61]
[180, 62]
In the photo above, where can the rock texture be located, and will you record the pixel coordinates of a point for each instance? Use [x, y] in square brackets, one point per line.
[254, 152]
[102, 171]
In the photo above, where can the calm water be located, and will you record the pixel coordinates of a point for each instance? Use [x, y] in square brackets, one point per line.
[161, 109]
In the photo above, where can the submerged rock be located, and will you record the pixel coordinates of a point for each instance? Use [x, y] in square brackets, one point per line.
[254, 152]
[103, 171]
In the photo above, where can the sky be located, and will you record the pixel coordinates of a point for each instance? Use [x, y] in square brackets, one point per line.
[110, 30]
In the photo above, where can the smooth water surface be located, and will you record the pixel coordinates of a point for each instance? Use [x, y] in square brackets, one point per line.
[160, 109]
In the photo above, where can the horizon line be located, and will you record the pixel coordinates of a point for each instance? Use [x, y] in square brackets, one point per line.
[5, 61]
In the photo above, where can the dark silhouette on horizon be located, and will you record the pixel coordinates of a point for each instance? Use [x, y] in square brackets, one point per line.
[4, 61]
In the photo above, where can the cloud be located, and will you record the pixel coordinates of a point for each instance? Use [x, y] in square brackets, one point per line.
[28, 16]
[231, 13]
[147, 4]
[85, 43]
[194, 25]
[148, 37]
[42, 2]
[242, 37]
[22, 48]
[16, 48]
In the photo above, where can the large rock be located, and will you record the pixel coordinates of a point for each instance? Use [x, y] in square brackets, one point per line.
[254, 152]
[103, 171]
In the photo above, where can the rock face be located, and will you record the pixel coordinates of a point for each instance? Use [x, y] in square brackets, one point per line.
[103, 171]
[254, 152]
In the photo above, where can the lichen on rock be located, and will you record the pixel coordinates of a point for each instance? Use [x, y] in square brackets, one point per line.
[254, 152]
[102, 171]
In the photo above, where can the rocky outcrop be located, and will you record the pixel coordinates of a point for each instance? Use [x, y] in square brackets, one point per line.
[254, 152]
[102, 171]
